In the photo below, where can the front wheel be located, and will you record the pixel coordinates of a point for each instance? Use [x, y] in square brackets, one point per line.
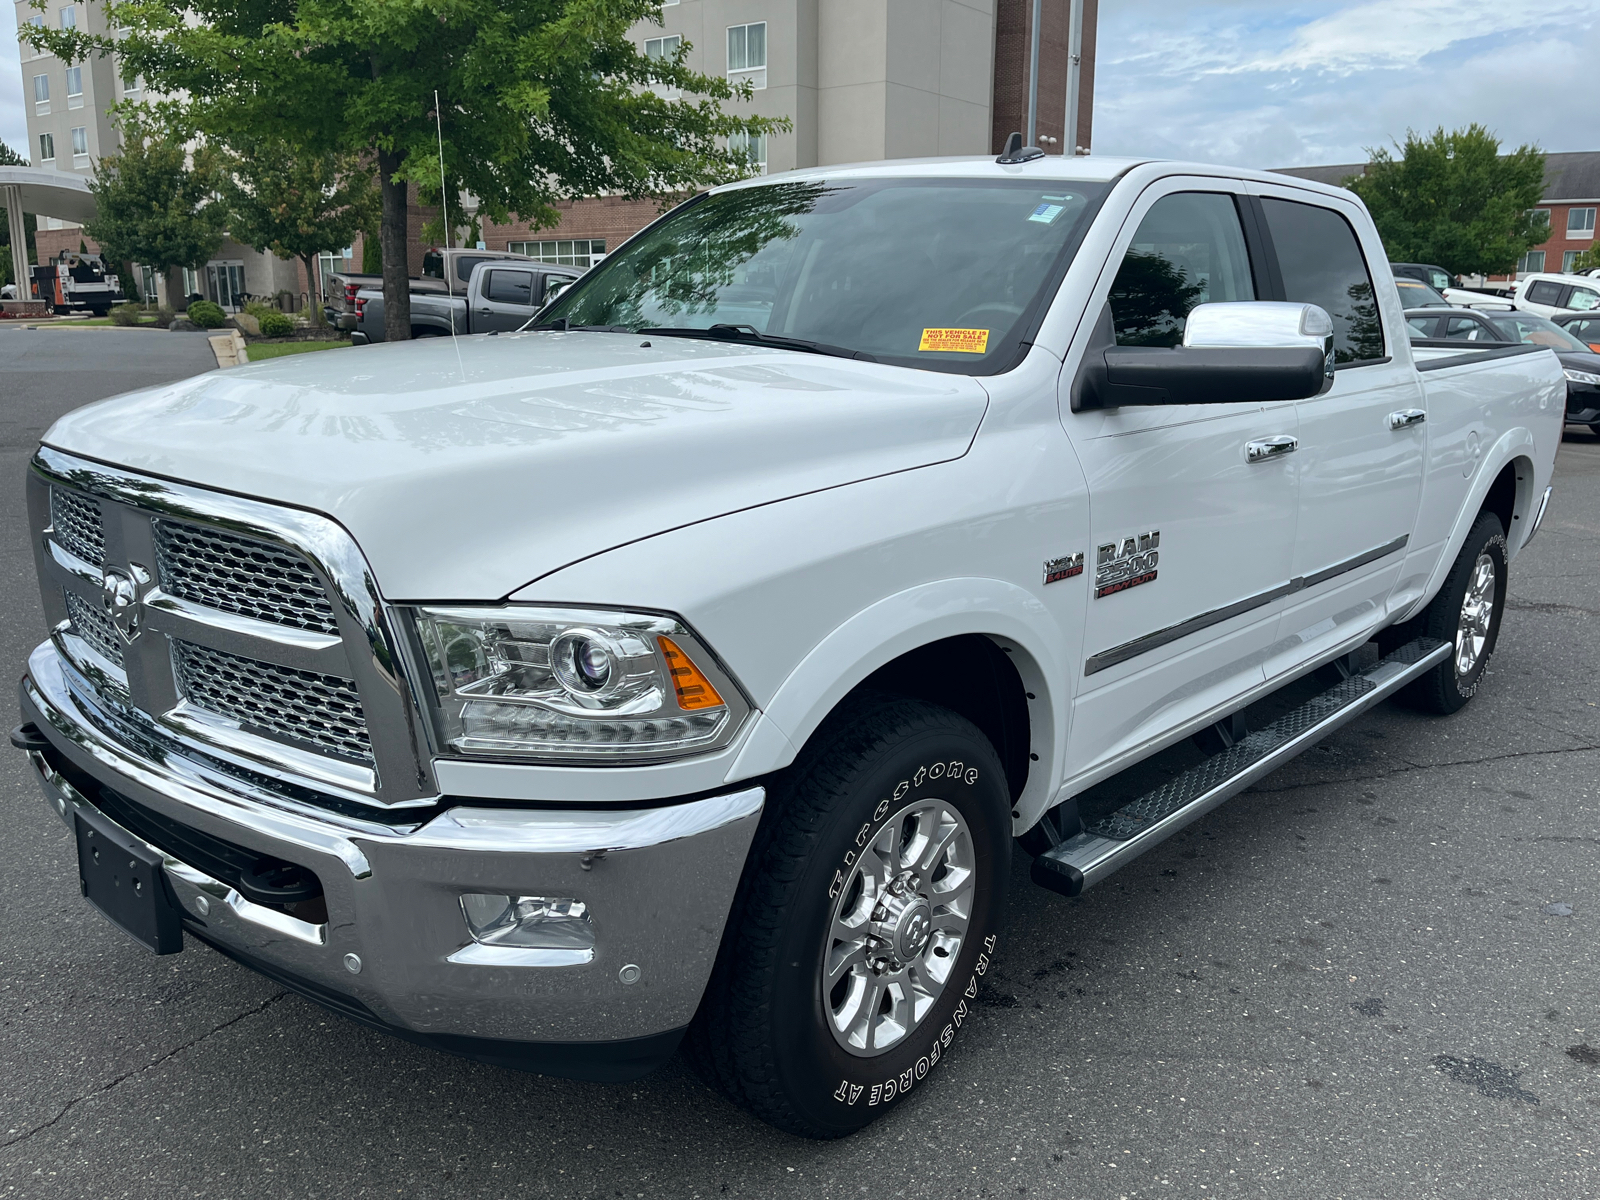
[1466, 613]
[868, 913]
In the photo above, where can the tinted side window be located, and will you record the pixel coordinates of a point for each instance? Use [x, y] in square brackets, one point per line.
[1468, 330]
[1424, 327]
[1322, 264]
[1189, 250]
[1542, 291]
[464, 266]
[510, 287]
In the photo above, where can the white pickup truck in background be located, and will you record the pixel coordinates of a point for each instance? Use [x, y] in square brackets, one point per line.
[692, 662]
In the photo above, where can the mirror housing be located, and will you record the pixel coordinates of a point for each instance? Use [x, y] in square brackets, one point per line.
[1253, 351]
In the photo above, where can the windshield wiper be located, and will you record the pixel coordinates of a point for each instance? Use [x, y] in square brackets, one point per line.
[561, 326]
[750, 334]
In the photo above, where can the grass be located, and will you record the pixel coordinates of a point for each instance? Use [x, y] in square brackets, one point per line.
[260, 350]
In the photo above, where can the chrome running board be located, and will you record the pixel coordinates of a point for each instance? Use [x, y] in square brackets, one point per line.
[1116, 839]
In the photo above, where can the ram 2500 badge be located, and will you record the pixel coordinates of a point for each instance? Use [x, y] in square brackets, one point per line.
[690, 663]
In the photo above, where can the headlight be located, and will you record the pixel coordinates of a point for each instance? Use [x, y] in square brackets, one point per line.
[561, 684]
[1582, 376]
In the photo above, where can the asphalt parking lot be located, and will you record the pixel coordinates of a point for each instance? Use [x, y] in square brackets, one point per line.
[1372, 976]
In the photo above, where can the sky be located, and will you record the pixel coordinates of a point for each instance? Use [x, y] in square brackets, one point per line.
[1279, 83]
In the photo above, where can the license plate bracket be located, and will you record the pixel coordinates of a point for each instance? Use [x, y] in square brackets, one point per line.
[125, 880]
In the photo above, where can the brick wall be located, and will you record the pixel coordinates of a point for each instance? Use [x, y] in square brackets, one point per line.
[1012, 46]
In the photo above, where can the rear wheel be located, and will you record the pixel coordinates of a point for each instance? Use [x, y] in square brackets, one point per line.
[867, 915]
[1466, 613]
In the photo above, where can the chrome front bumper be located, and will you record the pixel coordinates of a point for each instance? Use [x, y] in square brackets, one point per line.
[658, 884]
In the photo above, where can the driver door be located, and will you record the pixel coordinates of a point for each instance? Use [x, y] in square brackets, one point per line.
[1191, 541]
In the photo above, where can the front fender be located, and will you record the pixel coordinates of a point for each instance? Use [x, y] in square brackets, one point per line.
[1015, 619]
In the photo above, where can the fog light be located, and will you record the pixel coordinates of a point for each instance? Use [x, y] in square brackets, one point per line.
[528, 922]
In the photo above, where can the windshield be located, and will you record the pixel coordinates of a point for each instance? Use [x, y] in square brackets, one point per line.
[1416, 294]
[938, 273]
[1535, 330]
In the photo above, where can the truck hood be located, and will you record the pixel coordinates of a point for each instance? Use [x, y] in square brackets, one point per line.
[466, 471]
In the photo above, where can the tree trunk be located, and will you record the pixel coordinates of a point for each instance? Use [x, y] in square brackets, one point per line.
[314, 286]
[393, 237]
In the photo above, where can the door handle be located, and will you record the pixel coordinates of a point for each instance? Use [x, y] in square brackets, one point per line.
[1406, 418]
[1272, 447]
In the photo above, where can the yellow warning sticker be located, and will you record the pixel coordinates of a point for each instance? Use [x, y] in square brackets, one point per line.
[967, 341]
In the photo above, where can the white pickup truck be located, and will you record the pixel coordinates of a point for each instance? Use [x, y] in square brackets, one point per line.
[693, 661]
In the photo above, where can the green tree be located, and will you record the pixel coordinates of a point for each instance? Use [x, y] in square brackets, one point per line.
[538, 100]
[1588, 260]
[1454, 200]
[10, 158]
[157, 198]
[296, 204]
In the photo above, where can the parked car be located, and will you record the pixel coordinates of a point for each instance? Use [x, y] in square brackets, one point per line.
[679, 670]
[1548, 295]
[1435, 277]
[500, 297]
[1487, 298]
[1580, 362]
[1583, 326]
[1414, 294]
[444, 272]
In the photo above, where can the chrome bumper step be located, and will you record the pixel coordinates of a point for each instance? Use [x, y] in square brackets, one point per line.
[1116, 839]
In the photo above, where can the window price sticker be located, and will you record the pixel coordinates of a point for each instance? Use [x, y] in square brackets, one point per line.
[1046, 213]
[964, 341]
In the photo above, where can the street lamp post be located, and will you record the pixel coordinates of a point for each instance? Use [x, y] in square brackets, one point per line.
[1033, 78]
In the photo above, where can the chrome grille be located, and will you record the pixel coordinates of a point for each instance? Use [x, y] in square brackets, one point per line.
[94, 627]
[241, 575]
[76, 521]
[322, 712]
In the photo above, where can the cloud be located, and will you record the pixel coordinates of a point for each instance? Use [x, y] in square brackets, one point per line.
[1257, 84]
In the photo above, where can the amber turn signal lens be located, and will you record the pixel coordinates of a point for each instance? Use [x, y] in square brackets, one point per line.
[694, 689]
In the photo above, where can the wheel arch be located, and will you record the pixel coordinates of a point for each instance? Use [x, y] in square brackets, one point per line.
[926, 641]
[1507, 485]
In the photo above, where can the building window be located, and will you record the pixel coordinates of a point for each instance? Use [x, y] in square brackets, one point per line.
[747, 54]
[662, 47]
[1580, 222]
[41, 94]
[74, 87]
[47, 147]
[583, 252]
[1568, 259]
[1539, 214]
[69, 18]
[133, 86]
[754, 147]
[1531, 263]
[80, 145]
[147, 284]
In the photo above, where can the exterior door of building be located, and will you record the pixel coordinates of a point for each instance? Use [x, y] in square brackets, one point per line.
[225, 282]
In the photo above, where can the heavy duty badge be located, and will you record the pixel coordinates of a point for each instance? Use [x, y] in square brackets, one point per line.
[1124, 564]
[1057, 569]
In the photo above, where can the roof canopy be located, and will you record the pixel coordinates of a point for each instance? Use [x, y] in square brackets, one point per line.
[51, 193]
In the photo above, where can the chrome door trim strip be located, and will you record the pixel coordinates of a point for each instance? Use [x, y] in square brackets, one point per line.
[1350, 564]
[1161, 637]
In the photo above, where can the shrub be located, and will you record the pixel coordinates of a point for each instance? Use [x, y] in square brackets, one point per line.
[126, 314]
[259, 310]
[207, 315]
[165, 316]
[276, 324]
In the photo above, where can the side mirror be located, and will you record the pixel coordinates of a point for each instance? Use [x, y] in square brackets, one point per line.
[554, 287]
[1249, 352]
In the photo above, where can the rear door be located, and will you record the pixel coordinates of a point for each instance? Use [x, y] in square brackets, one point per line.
[1190, 541]
[506, 299]
[1362, 443]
